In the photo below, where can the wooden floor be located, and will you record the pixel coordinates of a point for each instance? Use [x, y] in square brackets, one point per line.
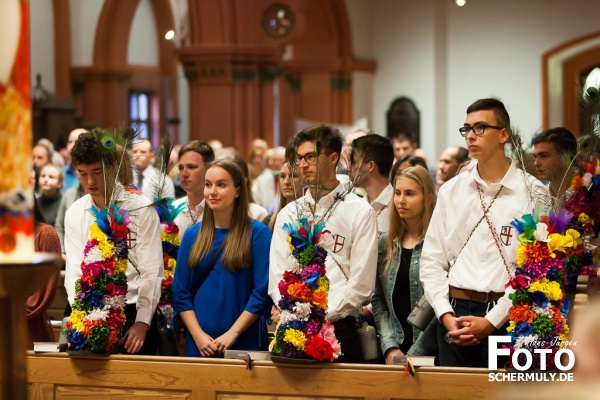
[58, 376]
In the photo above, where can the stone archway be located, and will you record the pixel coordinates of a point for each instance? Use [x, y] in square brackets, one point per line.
[101, 90]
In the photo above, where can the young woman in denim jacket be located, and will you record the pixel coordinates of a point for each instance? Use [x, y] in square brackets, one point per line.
[398, 287]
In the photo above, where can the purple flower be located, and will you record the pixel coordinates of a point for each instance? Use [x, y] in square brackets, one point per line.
[317, 313]
[121, 248]
[312, 328]
[319, 255]
[292, 352]
[287, 303]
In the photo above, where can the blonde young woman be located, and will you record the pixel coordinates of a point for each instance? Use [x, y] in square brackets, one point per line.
[290, 189]
[398, 287]
[220, 284]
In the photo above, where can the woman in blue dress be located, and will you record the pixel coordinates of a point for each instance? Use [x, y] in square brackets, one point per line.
[227, 311]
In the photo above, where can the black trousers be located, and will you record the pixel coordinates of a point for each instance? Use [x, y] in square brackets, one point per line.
[150, 346]
[452, 355]
[345, 331]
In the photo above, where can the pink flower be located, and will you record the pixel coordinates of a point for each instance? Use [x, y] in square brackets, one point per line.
[520, 282]
[327, 333]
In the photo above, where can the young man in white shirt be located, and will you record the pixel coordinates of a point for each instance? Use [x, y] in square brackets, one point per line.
[371, 160]
[553, 151]
[193, 158]
[470, 233]
[351, 263]
[145, 270]
[152, 182]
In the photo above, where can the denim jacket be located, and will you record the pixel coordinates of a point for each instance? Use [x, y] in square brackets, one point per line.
[388, 326]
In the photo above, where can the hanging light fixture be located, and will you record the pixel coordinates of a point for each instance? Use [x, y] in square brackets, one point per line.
[460, 3]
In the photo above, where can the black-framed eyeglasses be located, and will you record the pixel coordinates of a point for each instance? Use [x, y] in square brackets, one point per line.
[478, 129]
[308, 157]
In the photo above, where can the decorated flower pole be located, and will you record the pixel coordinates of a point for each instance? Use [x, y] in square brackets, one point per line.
[98, 315]
[170, 244]
[583, 201]
[302, 331]
[539, 308]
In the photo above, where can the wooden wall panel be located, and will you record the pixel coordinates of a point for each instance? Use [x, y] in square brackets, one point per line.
[137, 377]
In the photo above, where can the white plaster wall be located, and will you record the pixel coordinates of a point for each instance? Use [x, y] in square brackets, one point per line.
[360, 17]
[142, 48]
[84, 20]
[512, 36]
[41, 22]
[445, 57]
[403, 46]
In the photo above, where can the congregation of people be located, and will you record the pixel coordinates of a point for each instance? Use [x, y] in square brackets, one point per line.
[402, 228]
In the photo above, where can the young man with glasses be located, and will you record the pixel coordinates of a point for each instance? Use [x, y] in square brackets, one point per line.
[352, 257]
[470, 248]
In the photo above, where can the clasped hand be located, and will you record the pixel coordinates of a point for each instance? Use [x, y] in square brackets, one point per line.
[208, 346]
[467, 330]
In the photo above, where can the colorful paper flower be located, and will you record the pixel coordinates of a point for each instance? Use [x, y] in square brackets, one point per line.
[302, 331]
[98, 308]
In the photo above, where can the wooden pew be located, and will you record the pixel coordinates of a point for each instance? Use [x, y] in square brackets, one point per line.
[58, 376]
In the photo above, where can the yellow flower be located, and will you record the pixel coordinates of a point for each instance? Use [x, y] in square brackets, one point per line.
[171, 264]
[172, 238]
[96, 233]
[584, 219]
[521, 254]
[550, 289]
[559, 242]
[289, 239]
[295, 338]
[323, 285]
[107, 249]
[563, 337]
[76, 319]
[576, 237]
[121, 265]
[511, 326]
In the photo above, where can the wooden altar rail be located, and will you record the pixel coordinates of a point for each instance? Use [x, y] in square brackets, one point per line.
[56, 376]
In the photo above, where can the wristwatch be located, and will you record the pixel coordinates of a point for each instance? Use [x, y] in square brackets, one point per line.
[447, 338]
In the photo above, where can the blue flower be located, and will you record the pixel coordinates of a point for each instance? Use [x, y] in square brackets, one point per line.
[76, 339]
[312, 281]
[540, 298]
[524, 329]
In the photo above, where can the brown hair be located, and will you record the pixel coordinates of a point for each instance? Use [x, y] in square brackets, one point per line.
[237, 253]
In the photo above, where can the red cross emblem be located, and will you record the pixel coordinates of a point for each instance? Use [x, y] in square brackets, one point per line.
[338, 243]
[506, 235]
[131, 239]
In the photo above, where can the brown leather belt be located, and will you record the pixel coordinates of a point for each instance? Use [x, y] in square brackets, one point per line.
[472, 295]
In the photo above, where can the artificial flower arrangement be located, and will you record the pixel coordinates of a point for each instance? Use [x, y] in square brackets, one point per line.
[538, 313]
[170, 246]
[302, 331]
[98, 312]
[583, 201]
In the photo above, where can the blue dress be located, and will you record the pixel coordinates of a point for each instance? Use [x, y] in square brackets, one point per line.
[224, 295]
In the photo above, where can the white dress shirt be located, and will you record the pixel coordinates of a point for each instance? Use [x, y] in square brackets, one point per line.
[353, 227]
[184, 219]
[381, 205]
[263, 189]
[153, 179]
[145, 253]
[479, 265]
